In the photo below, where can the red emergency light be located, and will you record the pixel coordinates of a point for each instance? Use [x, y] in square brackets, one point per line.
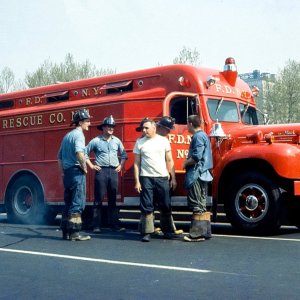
[255, 91]
[184, 82]
[230, 71]
[230, 64]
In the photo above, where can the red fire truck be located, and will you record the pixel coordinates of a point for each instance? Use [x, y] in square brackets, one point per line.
[256, 166]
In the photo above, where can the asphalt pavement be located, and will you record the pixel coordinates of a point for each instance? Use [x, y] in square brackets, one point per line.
[37, 264]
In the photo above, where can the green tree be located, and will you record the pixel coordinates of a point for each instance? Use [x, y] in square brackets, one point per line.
[187, 56]
[51, 73]
[7, 79]
[283, 98]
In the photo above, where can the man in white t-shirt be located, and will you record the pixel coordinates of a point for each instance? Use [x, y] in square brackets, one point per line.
[153, 163]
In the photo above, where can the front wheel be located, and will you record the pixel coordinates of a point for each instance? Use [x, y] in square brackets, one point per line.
[252, 203]
[25, 201]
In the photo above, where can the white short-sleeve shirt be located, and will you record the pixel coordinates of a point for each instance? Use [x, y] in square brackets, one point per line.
[153, 155]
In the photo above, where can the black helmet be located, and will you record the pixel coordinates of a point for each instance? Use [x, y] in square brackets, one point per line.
[140, 128]
[80, 115]
[167, 122]
[107, 121]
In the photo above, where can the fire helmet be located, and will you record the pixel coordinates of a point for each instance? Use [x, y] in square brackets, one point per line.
[80, 115]
[140, 128]
[107, 121]
[166, 122]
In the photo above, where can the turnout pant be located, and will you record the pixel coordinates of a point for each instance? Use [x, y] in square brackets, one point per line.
[200, 226]
[196, 196]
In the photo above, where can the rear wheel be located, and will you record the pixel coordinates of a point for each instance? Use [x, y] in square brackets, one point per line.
[25, 201]
[253, 203]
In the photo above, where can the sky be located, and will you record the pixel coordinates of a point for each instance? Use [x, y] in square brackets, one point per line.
[127, 35]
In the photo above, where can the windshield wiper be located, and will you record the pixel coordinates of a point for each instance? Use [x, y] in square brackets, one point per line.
[219, 105]
[245, 110]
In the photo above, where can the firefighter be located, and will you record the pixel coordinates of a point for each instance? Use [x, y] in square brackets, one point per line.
[106, 147]
[164, 126]
[197, 165]
[152, 164]
[157, 230]
[140, 127]
[71, 160]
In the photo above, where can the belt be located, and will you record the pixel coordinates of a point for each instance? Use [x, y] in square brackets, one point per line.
[74, 167]
[103, 167]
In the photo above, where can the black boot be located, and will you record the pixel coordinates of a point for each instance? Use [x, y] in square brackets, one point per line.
[76, 236]
[74, 227]
[166, 224]
[113, 218]
[146, 226]
[200, 227]
[97, 219]
[146, 237]
[64, 227]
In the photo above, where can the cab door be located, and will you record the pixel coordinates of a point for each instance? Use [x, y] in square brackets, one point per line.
[179, 106]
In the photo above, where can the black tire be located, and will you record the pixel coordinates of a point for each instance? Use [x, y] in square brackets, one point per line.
[25, 201]
[253, 203]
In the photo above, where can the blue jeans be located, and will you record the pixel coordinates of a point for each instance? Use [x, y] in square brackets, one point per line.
[75, 190]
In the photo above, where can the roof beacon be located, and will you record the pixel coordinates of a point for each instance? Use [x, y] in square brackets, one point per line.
[230, 71]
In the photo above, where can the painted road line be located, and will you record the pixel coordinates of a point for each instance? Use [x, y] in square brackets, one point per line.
[256, 237]
[115, 262]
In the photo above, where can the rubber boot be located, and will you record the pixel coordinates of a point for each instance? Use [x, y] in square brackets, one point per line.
[200, 227]
[207, 218]
[97, 219]
[113, 218]
[166, 224]
[146, 226]
[205, 225]
[64, 227]
[74, 227]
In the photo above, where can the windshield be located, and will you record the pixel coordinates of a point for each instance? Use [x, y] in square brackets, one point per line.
[223, 110]
[228, 111]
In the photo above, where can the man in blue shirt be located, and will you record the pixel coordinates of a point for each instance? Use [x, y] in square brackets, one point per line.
[106, 148]
[197, 166]
[71, 160]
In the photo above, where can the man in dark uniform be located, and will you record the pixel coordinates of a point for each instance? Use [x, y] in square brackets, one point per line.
[71, 160]
[106, 147]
